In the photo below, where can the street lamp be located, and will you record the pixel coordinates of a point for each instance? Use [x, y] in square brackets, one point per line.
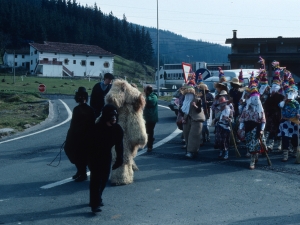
[157, 83]
[189, 57]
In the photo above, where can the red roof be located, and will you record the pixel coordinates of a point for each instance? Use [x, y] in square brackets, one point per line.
[69, 48]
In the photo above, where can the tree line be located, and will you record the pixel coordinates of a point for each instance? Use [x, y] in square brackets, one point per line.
[25, 21]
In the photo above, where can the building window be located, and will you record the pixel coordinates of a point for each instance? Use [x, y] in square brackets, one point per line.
[246, 50]
[271, 48]
[92, 63]
[16, 64]
[74, 61]
[83, 62]
[23, 56]
[106, 64]
[66, 61]
[16, 56]
[23, 64]
[54, 59]
[35, 52]
[30, 62]
[45, 59]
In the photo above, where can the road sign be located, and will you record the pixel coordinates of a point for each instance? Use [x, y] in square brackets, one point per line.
[42, 88]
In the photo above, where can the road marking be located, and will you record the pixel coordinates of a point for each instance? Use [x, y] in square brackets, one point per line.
[164, 106]
[156, 145]
[161, 142]
[38, 132]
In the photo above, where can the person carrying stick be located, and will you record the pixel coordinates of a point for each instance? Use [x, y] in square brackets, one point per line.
[253, 121]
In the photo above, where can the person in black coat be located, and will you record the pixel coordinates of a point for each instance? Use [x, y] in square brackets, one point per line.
[106, 133]
[83, 119]
[99, 92]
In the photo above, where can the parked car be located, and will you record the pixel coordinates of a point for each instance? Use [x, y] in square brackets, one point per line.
[174, 103]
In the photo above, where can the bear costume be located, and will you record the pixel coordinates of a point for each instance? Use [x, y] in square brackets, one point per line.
[130, 104]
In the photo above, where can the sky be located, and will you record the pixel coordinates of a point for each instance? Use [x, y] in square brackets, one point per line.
[210, 20]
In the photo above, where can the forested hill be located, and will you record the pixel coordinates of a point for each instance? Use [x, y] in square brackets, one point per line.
[175, 48]
[24, 21]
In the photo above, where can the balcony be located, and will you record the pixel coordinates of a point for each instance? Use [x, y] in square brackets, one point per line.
[47, 62]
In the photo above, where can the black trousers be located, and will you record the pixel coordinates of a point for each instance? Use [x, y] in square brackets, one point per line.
[286, 141]
[98, 180]
[150, 132]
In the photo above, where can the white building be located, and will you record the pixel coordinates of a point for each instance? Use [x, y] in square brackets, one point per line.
[55, 59]
[172, 74]
[17, 58]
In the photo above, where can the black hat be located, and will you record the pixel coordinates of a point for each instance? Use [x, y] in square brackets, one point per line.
[109, 76]
[108, 111]
[81, 95]
[81, 90]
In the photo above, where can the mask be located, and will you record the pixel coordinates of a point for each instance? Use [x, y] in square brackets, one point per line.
[290, 95]
[275, 88]
[255, 100]
[113, 117]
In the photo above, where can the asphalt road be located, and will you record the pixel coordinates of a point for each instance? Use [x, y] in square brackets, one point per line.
[168, 189]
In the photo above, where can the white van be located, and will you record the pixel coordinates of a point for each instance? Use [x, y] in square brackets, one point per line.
[229, 74]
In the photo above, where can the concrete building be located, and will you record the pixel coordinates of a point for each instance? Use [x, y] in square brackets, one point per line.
[55, 59]
[245, 53]
[17, 58]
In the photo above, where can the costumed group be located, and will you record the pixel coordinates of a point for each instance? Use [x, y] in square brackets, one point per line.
[257, 114]
[120, 119]
[107, 133]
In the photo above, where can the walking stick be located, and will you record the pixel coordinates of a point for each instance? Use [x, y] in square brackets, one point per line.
[237, 153]
[298, 150]
[262, 145]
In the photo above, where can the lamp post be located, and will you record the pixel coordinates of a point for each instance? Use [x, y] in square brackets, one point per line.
[157, 82]
[189, 57]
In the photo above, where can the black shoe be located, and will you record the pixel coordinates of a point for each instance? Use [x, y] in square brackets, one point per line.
[81, 178]
[96, 209]
[101, 204]
[75, 176]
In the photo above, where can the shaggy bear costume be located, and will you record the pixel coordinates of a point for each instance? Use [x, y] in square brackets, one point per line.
[130, 104]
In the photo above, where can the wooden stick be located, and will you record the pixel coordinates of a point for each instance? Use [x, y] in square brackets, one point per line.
[237, 153]
[265, 150]
[298, 152]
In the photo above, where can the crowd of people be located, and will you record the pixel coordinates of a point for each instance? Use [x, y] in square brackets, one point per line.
[259, 114]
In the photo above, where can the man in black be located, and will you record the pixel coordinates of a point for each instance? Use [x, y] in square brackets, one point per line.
[99, 92]
[106, 133]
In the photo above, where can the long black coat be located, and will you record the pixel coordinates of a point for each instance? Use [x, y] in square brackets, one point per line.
[76, 146]
[97, 98]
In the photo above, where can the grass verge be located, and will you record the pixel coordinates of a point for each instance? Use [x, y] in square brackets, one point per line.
[20, 111]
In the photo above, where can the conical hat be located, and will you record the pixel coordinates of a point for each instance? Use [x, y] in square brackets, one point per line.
[241, 78]
[221, 75]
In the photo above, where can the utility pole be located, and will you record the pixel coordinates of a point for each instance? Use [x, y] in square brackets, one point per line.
[14, 66]
[157, 53]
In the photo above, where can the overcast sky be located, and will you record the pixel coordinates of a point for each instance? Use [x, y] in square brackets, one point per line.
[210, 20]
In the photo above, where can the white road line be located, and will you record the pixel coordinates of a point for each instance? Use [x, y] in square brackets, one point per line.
[164, 106]
[67, 120]
[156, 145]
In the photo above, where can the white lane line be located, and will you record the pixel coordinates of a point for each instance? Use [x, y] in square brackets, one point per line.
[67, 120]
[164, 106]
[156, 145]
[161, 142]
